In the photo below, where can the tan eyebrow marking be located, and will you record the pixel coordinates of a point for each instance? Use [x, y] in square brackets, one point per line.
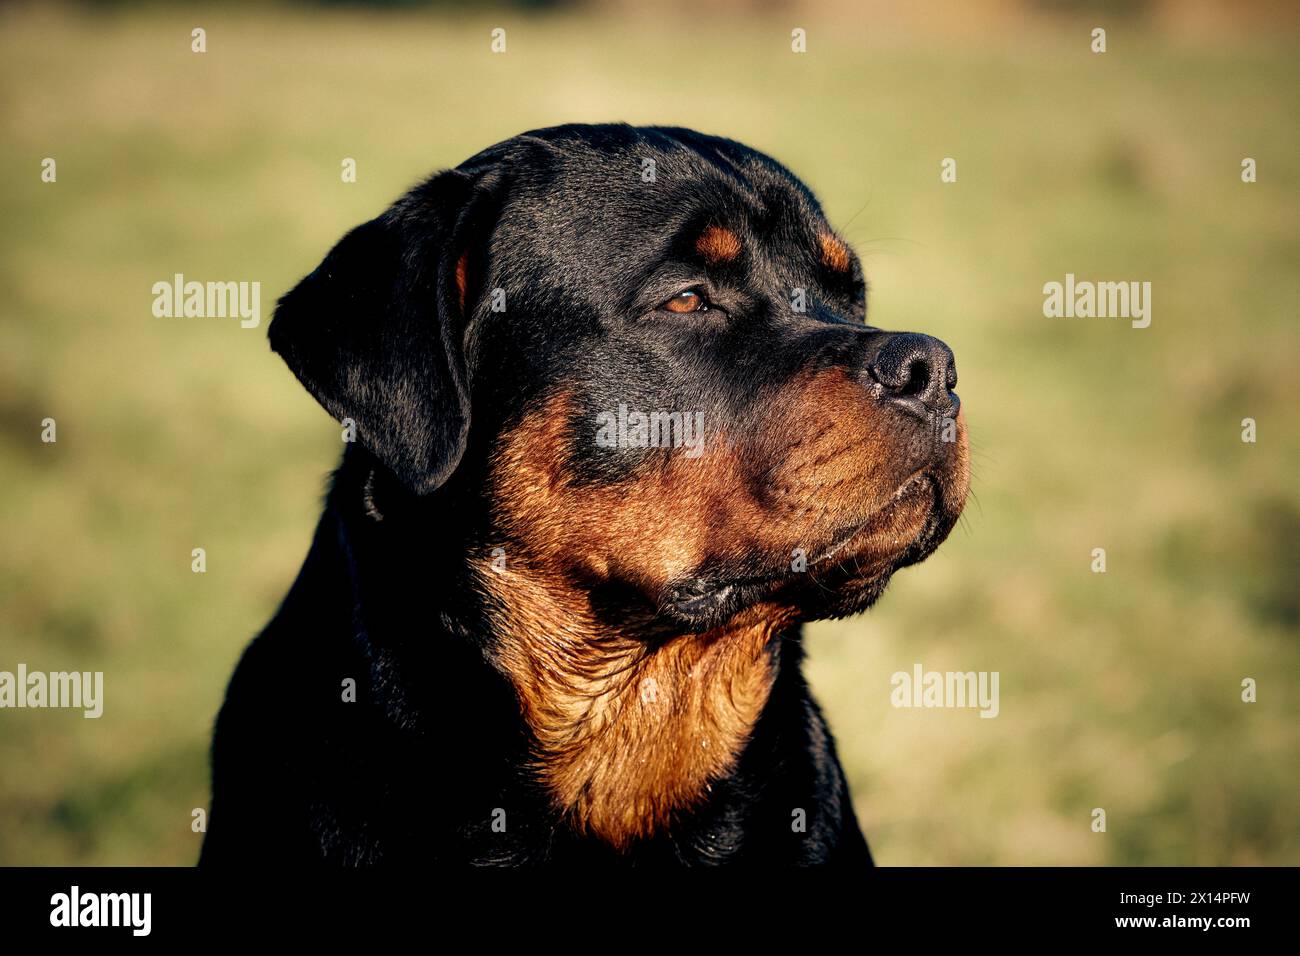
[835, 254]
[718, 245]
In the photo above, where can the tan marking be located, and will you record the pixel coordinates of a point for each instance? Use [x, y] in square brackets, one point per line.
[955, 480]
[627, 734]
[835, 255]
[820, 455]
[462, 277]
[718, 245]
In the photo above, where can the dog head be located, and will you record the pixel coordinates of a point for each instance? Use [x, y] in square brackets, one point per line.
[625, 377]
[644, 351]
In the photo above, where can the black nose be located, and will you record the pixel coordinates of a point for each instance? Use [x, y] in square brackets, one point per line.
[918, 372]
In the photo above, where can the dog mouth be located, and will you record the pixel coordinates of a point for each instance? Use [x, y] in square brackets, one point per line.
[902, 531]
[892, 530]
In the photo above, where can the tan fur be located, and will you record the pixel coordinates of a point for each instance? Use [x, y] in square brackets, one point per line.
[718, 245]
[627, 734]
[835, 255]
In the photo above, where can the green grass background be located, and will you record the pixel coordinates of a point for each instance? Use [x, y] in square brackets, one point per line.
[1118, 690]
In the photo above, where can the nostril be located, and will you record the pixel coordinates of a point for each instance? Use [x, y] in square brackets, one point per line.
[915, 377]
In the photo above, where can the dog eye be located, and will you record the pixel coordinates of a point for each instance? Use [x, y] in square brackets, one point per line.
[688, 301]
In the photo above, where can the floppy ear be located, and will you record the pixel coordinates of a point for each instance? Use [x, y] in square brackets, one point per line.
[377, 332]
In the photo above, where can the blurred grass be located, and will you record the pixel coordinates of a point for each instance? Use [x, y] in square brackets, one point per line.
[1119, 690]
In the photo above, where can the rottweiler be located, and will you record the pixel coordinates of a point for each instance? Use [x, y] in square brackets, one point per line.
[614, 426]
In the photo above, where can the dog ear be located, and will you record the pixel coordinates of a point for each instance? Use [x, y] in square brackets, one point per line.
[377, 332]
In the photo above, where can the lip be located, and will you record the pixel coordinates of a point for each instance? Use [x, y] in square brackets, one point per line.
[896, 533]
[850, 574]
[881, 522]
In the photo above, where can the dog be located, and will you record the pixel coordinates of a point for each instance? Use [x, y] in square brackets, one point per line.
[620, 428]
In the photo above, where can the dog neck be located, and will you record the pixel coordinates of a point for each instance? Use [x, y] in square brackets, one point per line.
[630, 725]
[630, 722]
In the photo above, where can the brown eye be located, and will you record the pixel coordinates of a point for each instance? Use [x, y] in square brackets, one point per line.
[687, 302]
